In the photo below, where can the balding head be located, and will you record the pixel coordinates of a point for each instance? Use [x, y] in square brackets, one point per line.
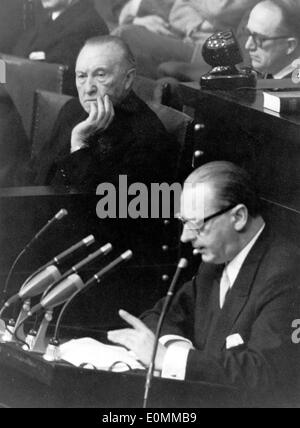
[220, 210]
[274, 25]
[230, 184]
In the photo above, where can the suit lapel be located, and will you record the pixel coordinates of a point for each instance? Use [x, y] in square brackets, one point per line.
[52, 32]
[239, 295]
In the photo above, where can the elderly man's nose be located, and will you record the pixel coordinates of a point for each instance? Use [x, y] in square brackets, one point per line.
[90, 86]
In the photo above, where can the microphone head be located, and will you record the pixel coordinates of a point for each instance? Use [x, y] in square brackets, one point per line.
[61, 214]
[89, 240]
[183, 264]
[127, 255]
[40, 282]
[107, 249]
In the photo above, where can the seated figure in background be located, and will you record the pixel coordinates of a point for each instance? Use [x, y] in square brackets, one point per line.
[109, 131]
[273, 32]
[190, 23]
[151, 14]
[232, 323]
[60, 34]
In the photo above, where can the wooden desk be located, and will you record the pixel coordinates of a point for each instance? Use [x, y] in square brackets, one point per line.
[28, 381]
[237, 128]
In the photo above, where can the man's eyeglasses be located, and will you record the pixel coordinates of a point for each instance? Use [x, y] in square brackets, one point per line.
[199, 225]
[260, 39]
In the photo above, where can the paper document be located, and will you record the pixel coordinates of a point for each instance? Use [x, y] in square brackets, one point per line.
[91, 354]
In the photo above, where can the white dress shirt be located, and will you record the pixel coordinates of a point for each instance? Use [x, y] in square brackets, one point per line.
[178, 348]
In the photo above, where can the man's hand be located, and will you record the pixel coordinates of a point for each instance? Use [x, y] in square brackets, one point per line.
[139, 340]
[154, 23]
[101, 115]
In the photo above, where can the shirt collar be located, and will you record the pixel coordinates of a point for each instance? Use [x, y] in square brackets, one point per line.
[233, 268]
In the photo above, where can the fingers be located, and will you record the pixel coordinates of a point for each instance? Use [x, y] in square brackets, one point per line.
[120, 337]
[110, 111]
[101, 111]
[133, 321]
[100, 117]
[105, 114]
[93, 113]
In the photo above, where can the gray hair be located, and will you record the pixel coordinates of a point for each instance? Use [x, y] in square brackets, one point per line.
[116, 41]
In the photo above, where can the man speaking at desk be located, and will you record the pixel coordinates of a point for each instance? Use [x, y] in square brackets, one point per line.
[232, 324]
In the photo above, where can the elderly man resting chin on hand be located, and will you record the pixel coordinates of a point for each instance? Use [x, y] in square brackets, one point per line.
[108, 131]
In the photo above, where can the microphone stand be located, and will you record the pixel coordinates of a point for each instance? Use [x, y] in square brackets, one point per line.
[58, 216]
[181, 265]
[96, 279]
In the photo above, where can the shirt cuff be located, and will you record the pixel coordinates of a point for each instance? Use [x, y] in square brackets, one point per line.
[171, 338]
[175, 361]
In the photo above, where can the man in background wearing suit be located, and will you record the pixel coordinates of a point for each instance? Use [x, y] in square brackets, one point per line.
[181, 38]
[60, 34]
[11, 23]
[273, 33]
[108, 131]
[232, 324]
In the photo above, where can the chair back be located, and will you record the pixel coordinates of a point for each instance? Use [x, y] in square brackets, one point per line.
[179, 125]
[23, 78]
[47, 106]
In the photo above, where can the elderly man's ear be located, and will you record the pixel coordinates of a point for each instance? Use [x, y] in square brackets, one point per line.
[293, 44]
[130, 76]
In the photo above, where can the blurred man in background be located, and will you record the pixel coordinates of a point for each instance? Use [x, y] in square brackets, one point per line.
[189, 24]
[60, 33]
[11, 23]
[273, 32]
[151, 14]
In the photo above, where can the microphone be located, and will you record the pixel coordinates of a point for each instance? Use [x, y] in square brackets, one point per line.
[183, 264]
[103, 251]
[123, 258]
[48, 274]
[69, 283]
[59, 216]
[95, 279]
[64, 256]
[66, 290]
[59, 294]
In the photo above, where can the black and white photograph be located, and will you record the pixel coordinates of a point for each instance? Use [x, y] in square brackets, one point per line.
[149, 206]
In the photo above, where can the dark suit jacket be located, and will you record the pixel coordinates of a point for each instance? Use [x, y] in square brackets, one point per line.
[261, 307]
[11, 23]
[62, 39]
[136, 144]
